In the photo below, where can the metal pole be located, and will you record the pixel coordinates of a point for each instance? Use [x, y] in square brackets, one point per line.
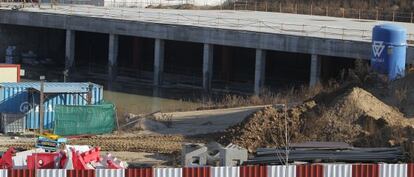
[286, 135]
[255, 6]
[296, 8]
[393, 15]
[280, 7]
[89, 96]
[311, 9]
[41, 107]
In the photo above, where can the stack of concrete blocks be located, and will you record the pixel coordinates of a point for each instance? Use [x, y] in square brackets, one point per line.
[233, 155]
[213, 154]
[194, 155]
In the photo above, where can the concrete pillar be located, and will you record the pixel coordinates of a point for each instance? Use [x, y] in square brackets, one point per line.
[158, 61]
[112, 57]
[207, 66]
[315, 70]
[259, 76]
[69, 52]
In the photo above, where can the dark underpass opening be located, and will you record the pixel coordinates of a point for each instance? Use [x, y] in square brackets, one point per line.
[39, 51]
[183, 63]
[135, 59]
[336, 68]
[91, 54]
[285, 70]
[233, 68]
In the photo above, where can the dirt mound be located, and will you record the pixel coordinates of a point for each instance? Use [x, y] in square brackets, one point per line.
[266, 127]
[352, 115]
[401, 95]
[362, 103]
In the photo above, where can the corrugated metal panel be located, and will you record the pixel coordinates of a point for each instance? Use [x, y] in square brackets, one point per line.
[225, 172]
[21, 173]
[168, 172]
[392, 170]
[110, 173]
[11, 98]
[51, 173]
[309, 171]
[365, 170]
[281, 171]
[253, 171]
[52, 87]
[337, 170]
[14, 98]
[12, 123]
[80, 173]
[410, 170]
[139, 172]
[3, 173]
[196, 172]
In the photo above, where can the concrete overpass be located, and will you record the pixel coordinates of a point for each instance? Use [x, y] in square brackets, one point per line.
[261, 31]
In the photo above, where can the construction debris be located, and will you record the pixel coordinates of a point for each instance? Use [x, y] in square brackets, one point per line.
[326, 153]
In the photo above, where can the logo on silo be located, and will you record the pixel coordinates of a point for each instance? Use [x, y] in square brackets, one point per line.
[377, 48]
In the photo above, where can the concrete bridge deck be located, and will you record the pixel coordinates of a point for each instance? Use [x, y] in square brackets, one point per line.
[314, 35]
[266, 22]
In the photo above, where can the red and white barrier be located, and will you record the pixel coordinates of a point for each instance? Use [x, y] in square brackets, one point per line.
[307, 170]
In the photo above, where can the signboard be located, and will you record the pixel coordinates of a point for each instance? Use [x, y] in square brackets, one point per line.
[9, 73]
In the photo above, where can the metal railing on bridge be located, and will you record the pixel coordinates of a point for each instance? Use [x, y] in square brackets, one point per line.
[215, 21]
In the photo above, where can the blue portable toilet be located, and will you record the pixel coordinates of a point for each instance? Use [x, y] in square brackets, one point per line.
[389, 45]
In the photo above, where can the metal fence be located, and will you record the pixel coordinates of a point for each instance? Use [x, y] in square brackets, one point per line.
[311, 9]
[215, 21]
[386, 14]
[249, 24]
[316, 170]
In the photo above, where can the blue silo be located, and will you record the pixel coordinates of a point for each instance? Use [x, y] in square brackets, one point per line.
[389, 45]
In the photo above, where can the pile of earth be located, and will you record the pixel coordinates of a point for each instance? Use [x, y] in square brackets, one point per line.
[350, 115]
[400, 94]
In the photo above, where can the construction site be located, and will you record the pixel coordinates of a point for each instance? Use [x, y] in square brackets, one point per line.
[93, 90]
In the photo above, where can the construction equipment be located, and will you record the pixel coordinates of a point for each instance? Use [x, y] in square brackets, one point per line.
[50, 142]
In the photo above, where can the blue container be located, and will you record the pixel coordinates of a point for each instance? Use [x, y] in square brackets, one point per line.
[389, 45]
[16, 98]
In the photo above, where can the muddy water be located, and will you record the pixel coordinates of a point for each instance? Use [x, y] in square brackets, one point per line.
[146, 99]
[141, 103]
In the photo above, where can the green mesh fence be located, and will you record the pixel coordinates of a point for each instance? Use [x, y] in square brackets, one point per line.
[84, 120]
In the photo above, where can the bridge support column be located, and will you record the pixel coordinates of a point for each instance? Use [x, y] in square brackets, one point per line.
[259, 77]
[69, 53]
[315, 70]
[112, 58]
[207, 66]
[158, 61]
